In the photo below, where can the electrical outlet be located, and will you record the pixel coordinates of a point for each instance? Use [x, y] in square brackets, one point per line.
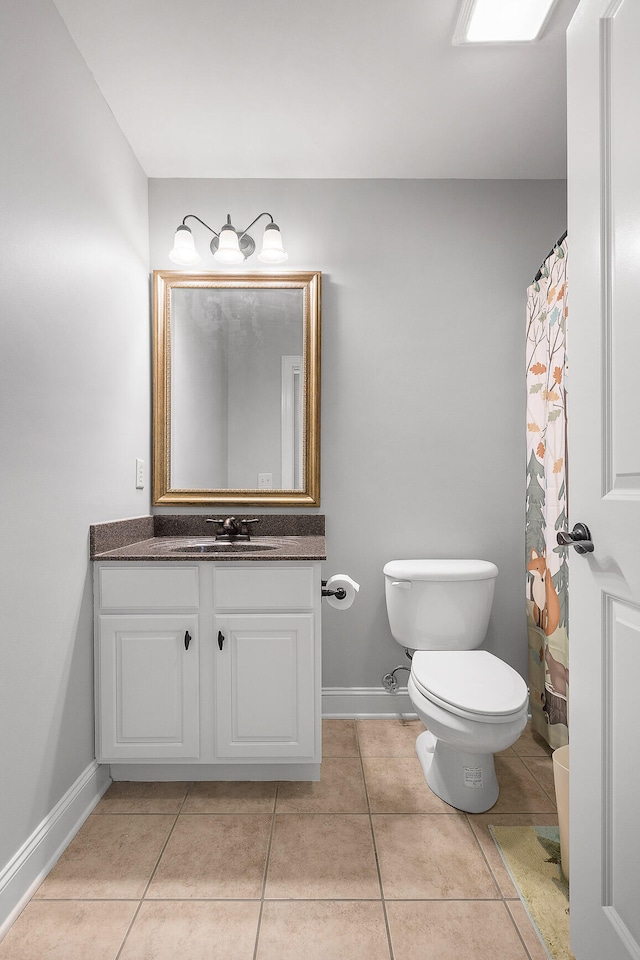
[139, 474]
[265, 481]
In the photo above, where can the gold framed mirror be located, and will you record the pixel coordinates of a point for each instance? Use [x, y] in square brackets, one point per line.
[236, 389]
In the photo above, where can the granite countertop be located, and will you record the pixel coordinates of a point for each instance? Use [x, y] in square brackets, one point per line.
[188, 537]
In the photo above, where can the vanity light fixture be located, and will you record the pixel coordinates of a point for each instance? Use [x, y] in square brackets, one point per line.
[230, 246]
[501, 21]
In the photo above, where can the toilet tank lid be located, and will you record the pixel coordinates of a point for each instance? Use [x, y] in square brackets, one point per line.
[440, 569]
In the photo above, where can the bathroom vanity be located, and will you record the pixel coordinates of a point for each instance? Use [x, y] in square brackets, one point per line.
[207, 656]
[207, 651]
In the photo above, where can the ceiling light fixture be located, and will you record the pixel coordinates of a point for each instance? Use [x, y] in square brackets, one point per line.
[230, 246]
[502, 21]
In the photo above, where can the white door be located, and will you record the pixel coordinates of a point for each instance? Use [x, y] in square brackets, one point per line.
[147, 687]
[604, 476]
[265, 686]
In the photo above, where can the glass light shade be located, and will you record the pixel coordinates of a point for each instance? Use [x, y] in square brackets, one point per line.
[272, 249]
[228, 248]
[184, 250]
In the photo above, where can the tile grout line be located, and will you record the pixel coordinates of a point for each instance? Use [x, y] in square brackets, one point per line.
[375, 849]
[540, 784]
[523, 761]
[517, 928]
[266, 869]
[484, 857]
[153, 872]
[501, 896]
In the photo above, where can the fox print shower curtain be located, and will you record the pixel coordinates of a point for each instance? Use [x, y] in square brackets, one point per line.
[546, 504]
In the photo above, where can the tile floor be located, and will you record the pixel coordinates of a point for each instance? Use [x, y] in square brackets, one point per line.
[367, 864]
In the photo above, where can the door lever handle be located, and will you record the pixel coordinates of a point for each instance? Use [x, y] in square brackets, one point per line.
[220, 639]
[580, 538]
[187, 639]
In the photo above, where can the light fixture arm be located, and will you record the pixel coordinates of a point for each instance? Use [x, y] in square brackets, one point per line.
[241, 233]
[246, 230]
[192, 216]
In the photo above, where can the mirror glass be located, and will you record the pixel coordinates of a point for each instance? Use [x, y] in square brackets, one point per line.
[236, 388]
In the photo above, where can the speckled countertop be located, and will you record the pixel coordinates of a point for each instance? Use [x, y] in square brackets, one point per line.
[190, 537]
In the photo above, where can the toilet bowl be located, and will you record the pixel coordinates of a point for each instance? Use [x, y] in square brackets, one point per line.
[471, 702]
[473, 705]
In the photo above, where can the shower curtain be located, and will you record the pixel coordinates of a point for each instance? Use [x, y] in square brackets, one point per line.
[547, 573]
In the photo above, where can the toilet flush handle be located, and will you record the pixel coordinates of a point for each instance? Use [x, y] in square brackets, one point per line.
[403, 584]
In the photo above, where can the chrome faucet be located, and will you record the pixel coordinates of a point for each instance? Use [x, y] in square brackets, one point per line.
[233, 528]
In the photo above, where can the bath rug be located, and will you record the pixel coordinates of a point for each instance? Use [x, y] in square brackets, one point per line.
[532, 857]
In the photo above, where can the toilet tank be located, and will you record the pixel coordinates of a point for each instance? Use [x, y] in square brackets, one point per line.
[439, 604]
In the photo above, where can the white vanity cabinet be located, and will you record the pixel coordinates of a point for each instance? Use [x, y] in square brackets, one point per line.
[210, 664]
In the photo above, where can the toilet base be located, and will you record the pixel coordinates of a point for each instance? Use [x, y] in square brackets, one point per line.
[466, 781]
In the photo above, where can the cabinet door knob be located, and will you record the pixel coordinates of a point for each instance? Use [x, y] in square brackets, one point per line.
[220, 639]
[187, 639]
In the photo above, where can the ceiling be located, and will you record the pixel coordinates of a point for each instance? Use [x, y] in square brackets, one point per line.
[329, 88]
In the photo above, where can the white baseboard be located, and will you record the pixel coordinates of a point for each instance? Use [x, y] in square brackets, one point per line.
[365, 703]
[35, 858]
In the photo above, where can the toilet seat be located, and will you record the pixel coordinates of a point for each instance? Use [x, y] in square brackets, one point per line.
[473, 684]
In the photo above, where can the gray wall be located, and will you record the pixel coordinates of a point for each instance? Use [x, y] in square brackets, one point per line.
[422, 375]
[74, 389]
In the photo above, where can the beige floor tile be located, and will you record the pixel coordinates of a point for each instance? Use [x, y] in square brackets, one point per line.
[531, 744]
[339, 738]
[231, 797]
[210, 857]
[464, 930]
[111, 857]
[434, 856]
[480, 825]
[339, 790]
[542, 770]
[68, 930]
[319, 857]
[525, 928]
[323, 930]
[397, 785]
[388, 738]
[520, 792]
[213, 930]
[128, 796]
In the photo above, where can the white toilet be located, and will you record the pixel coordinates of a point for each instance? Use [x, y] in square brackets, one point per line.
[472, 703]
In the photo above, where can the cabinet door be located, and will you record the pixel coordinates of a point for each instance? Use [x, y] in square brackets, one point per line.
[147, 687]
[265, 686]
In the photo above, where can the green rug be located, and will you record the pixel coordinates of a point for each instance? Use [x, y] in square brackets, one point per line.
[532, 857]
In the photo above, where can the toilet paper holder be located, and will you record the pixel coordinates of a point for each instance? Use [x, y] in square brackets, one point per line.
[340, 593]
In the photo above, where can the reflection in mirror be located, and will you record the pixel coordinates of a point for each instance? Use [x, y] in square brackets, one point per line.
[233, 353]
[236, 389]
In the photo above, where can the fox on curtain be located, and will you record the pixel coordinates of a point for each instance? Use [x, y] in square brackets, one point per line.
[546, 505]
